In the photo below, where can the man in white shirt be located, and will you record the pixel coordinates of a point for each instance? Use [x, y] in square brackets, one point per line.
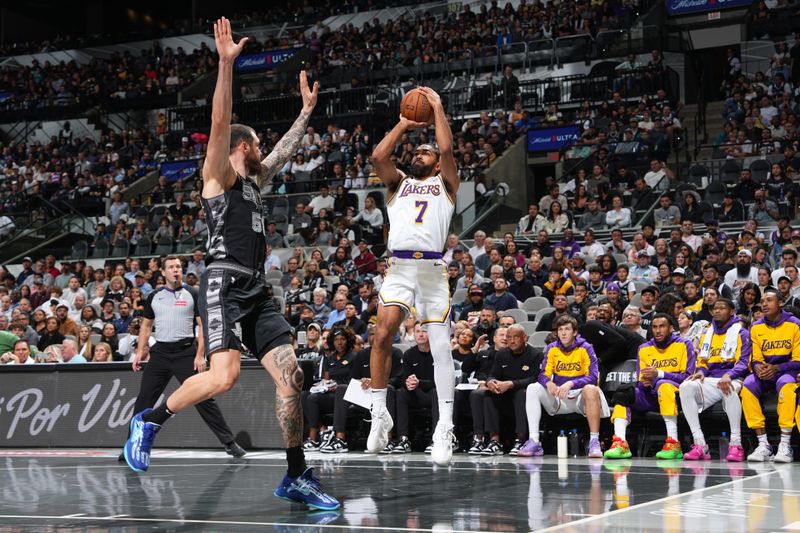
[591, 248]
[788, 258]
[640, 245]
[73, 289]
[6, 226]
[744, 273]
[323, 200]
[477, 248]
[271, 262]
[618, 216]
[654, 176]
[531, 223]
[315, 160]
[643, 270]
[688, 236]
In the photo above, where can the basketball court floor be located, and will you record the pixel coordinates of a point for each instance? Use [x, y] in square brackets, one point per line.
[88, 490]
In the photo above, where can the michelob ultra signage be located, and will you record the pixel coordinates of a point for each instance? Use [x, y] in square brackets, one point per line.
[682, 7]
[552, 139]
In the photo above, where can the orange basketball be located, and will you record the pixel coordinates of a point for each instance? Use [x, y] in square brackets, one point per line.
[415, 106]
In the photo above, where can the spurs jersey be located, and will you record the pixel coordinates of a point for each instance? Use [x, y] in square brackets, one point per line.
[419, 214]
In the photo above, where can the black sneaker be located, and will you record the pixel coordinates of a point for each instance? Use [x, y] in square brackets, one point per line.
[493, 448]
[310, 445]
[402, 446]
[233, 448]
[335, 445]
[389, 448]
[516, 448]
[476, 448]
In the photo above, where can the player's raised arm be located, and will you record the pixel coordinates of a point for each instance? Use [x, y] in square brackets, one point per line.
[444, 141]
[218, 174]
[288, 144]
[387, 172]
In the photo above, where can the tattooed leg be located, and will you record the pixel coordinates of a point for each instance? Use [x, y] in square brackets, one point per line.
[281, 364]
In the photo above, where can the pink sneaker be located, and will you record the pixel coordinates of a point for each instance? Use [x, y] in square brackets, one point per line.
[697, 453]
[735, 454]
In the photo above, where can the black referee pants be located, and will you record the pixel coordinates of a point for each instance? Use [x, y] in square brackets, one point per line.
[407, 399]
[165, 362]
[509, 402]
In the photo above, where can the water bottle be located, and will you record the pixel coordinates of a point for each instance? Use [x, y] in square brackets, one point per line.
[561, 445]
[574, 444]
[563, 472]
[724, 443]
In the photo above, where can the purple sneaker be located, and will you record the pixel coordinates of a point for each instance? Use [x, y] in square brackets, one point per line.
[531, 449]
[594, 450]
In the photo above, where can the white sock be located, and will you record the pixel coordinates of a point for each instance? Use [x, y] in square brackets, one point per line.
[620, 425]
[733, 408]
[762, 439]
[594, 435]
[443, 370]
[691, 410]
[533, 408]
[672, 426]
[378, 399]
[786, 436]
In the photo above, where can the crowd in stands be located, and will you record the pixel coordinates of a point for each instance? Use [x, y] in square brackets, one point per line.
[154, 72]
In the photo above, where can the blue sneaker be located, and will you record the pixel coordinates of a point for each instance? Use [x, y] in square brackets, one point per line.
[307, 490]
[137, 448]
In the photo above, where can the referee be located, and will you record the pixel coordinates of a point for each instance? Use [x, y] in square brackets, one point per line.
[172, 313]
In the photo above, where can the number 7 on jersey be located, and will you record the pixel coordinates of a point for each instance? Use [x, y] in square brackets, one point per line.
[422, 205]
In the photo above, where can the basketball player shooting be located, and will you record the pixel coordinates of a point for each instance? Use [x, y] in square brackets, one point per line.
[420, 206]
[233, 288]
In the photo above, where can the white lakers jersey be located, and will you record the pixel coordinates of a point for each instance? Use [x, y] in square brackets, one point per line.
[419, 215]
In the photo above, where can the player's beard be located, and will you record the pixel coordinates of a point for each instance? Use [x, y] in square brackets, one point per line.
[419, 170]
[253, 164]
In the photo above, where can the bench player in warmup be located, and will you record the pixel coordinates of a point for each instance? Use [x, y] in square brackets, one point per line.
[420, 206]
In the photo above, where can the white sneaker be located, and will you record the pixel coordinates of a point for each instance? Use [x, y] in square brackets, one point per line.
[761, 454]
[381, 425]
[785, 454]
[442, 450]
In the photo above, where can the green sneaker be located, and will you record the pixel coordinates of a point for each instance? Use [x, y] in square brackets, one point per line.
[671, 450]
[619, 449]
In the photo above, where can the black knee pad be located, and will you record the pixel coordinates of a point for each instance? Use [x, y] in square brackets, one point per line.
[625, 395]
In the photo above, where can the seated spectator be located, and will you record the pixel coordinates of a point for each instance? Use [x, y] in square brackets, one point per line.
[521, 287]
[50, 334]
[322, 201]
[501, 299]
[557, 221]
[531, 223]
[618, 216]
[764, 210]
[514, 368]
[415, 388]
[335, 371]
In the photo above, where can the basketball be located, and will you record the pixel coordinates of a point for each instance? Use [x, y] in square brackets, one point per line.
[415, 106]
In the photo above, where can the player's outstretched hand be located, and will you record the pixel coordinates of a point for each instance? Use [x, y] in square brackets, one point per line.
[309, 96]
[433, 97]
[411, 125]
[223, 37]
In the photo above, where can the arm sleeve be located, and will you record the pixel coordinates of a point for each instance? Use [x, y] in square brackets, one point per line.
[742, 366]
[148, 306]
[592, 378]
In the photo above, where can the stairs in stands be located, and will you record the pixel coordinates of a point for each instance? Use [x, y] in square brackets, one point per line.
[715, 125]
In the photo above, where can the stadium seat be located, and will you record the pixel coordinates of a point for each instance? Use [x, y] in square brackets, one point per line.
[529, 326]
[101, 248]
[715, 192]
[541, 312]
[538, 339]
[760, 170]
[535, 303]
[730, 172]
[402, 347]
[121, 248]
[164, 246]
[459, 296]
[80, 250]
[519, 315]
[143, 246]
[697, 173]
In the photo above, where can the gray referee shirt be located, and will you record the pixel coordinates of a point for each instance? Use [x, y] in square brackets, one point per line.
[173, 313]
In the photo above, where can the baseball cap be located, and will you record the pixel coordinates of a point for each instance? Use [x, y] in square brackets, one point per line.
[612, 287]
[138, 274]
[680, 271]
[642, 253]
[62, 304]
[795, 233]
[27, 258]
[38, 281]
[475, 290]
[784, 278]
[652, 289]
[315, 326]
[748, 253]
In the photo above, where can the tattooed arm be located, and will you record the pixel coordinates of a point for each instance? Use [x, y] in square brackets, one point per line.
[288, 144]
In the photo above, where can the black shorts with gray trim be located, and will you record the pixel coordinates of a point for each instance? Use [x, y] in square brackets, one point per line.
[232, 295]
